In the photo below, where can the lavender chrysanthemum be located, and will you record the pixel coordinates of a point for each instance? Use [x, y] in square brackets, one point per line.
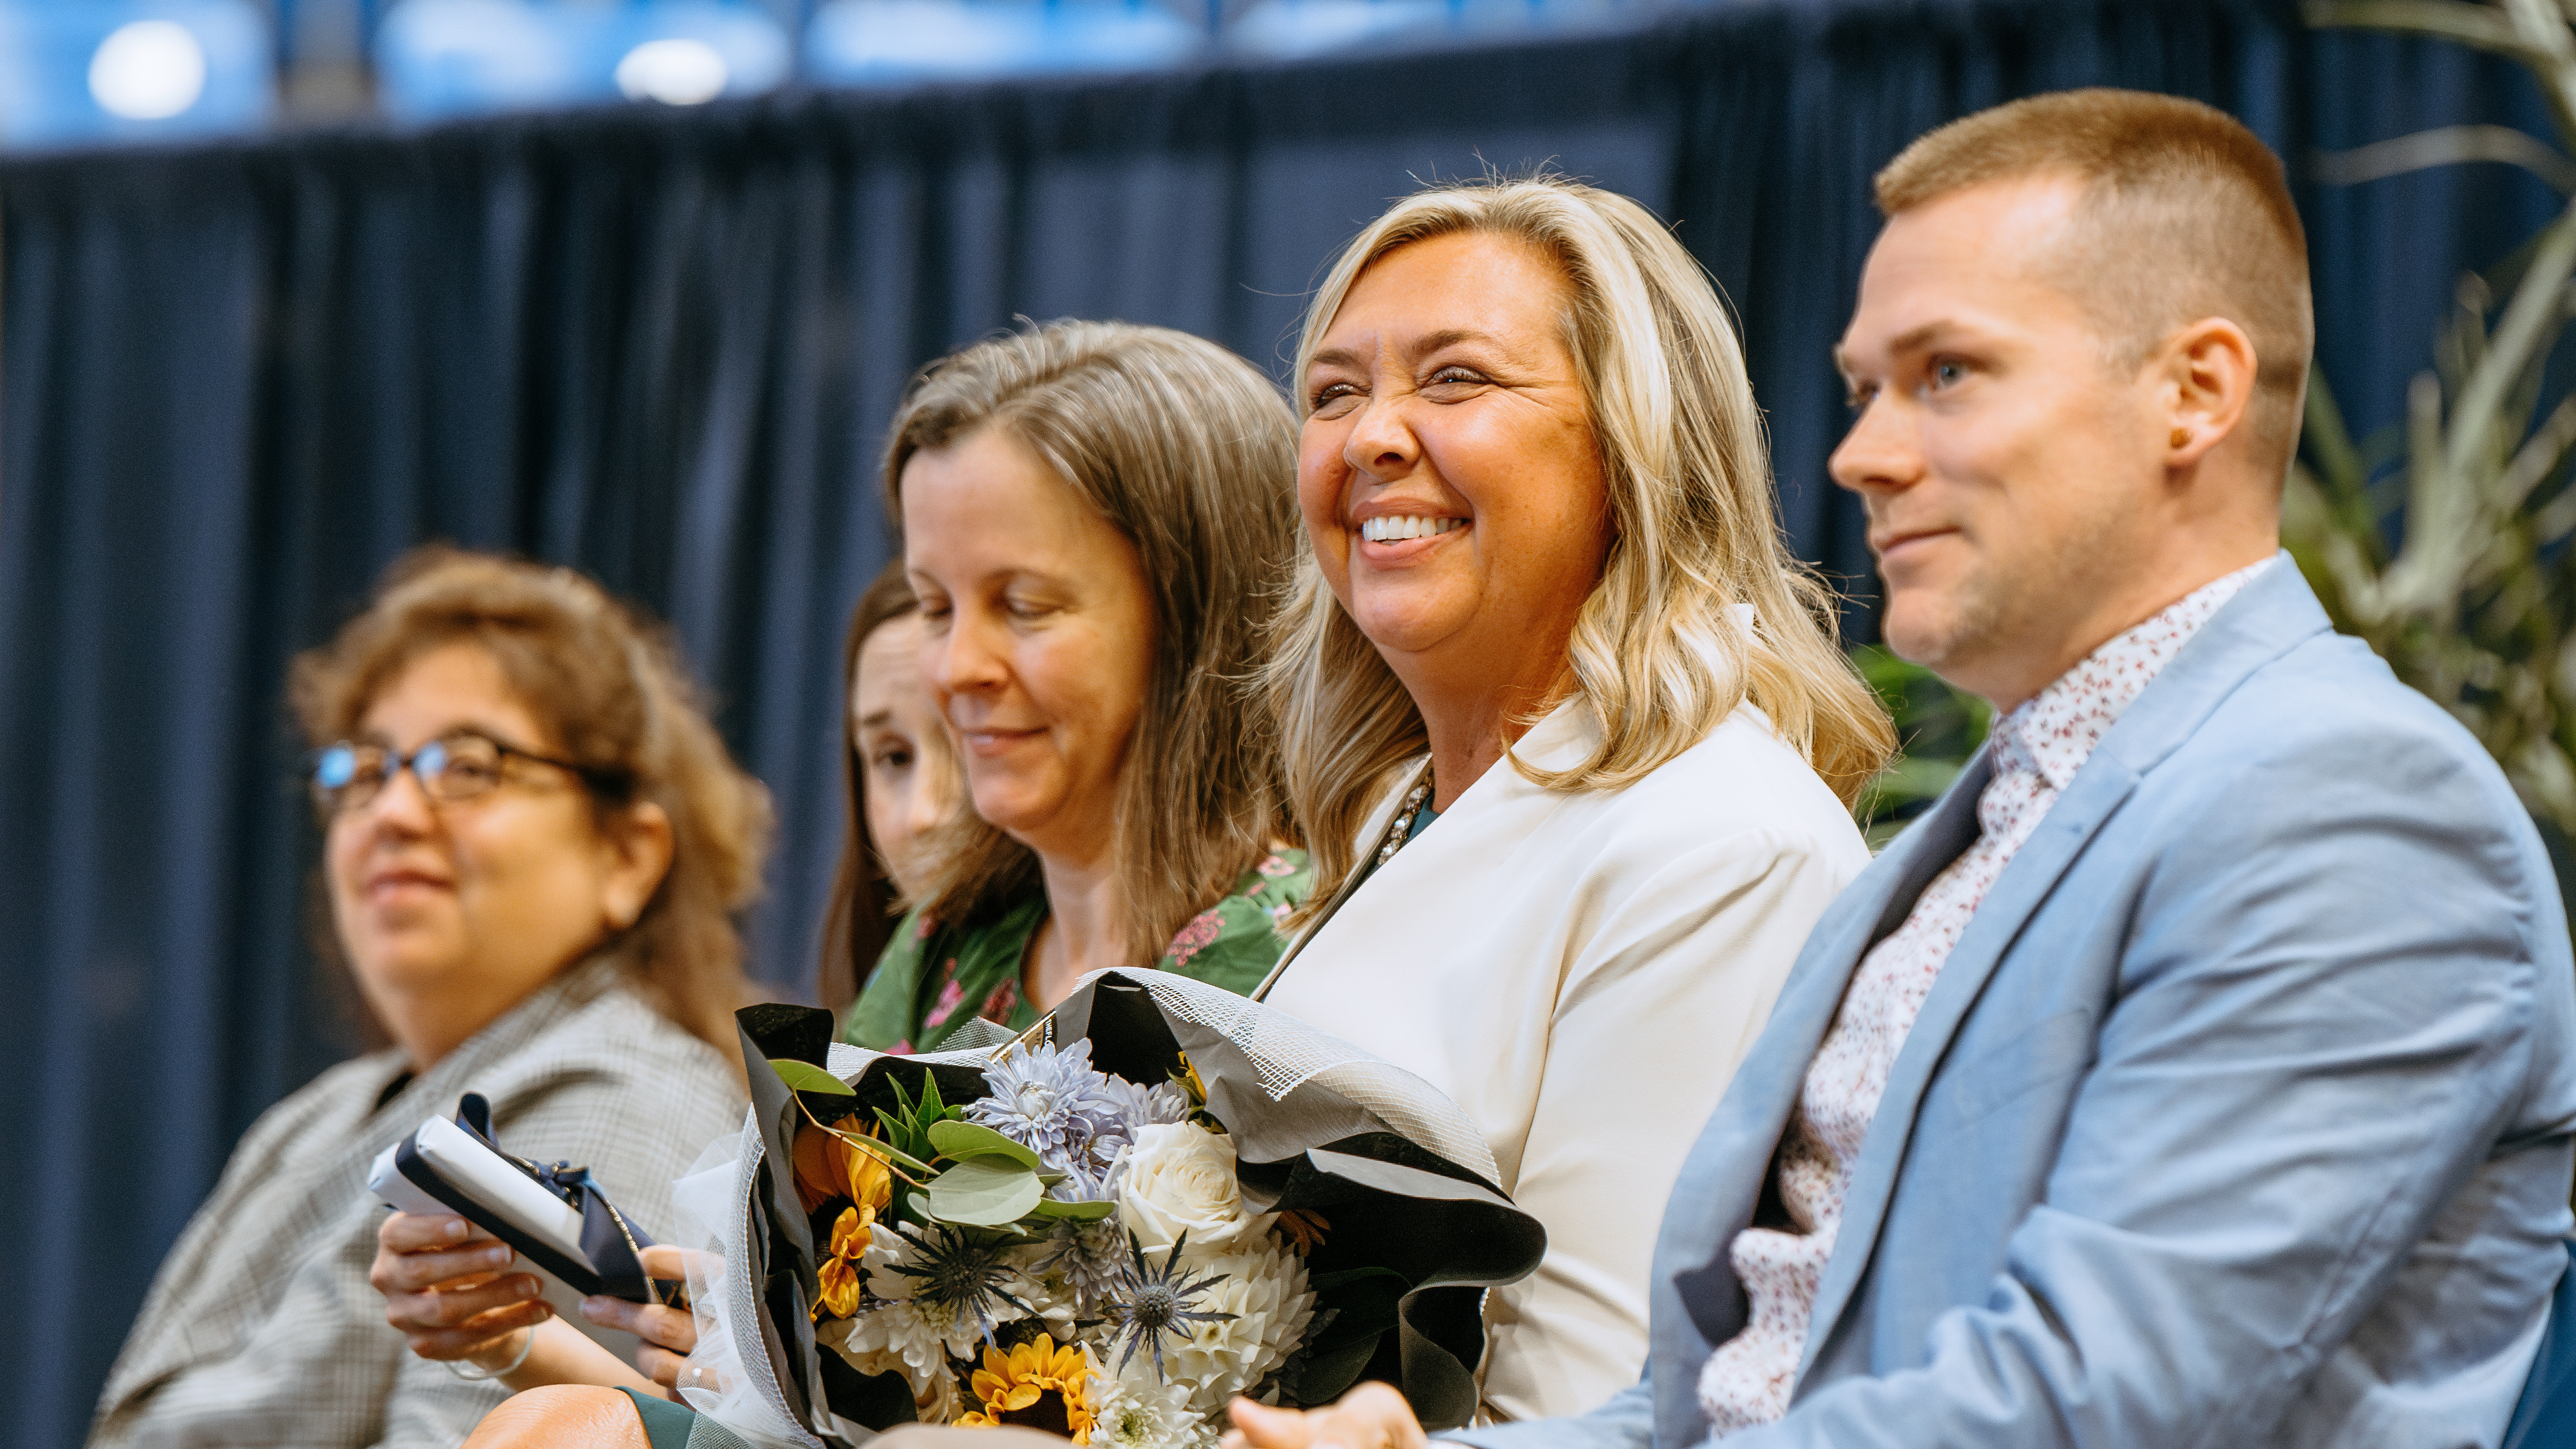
[1088, 1257]
[1143, 1106]
[1052, 1102]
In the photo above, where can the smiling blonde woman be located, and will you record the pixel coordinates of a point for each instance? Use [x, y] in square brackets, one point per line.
[1547, 605]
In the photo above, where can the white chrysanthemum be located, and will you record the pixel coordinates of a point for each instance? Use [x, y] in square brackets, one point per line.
[934, 1401]
[1038, 1281]
[1265, 1289]
[893, 1331]
[1136, 1412]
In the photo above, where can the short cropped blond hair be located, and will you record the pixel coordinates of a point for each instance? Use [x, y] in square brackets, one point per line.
[1660, 652]
[2185, 215]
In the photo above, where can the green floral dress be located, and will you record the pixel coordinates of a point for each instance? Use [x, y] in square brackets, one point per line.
[930, 981]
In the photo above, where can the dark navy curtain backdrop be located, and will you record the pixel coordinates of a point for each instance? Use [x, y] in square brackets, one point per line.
[235, 382]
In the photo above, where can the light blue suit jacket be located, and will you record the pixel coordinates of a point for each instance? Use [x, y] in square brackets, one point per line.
[2240, 1115]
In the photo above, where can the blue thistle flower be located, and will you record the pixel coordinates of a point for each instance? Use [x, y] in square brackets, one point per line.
[958, 1275]
[1155, 1301]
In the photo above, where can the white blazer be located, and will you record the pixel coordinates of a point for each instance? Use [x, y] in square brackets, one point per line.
[1582, 972]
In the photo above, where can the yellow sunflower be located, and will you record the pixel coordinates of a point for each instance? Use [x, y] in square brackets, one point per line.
[1036, 1385]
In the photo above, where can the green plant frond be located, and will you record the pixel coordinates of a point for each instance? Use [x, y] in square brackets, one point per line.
[2447, 146]
[2477, 26]
[2532, 321]
[2474, 606]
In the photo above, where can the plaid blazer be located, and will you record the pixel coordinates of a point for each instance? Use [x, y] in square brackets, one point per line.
[261, 1328]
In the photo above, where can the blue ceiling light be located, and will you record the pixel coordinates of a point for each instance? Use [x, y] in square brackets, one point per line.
[441, 58]
[101, 71]
[894, 42]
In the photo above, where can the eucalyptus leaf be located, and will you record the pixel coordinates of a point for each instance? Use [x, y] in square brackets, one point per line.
[968, 1140]
[807, 1077]
[982, 1192]
[1080, 1212]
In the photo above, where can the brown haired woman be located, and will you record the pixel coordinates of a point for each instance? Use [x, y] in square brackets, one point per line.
[533, 846]
[1093, 516]
[899, 775]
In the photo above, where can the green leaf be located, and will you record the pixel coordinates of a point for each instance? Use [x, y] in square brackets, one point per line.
[982, 1192]
[965, 1140]
[884, 1151]
[1080, 1212]
[807, 1077]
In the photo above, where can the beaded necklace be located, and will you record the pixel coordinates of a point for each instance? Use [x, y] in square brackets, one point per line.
[1402, 830]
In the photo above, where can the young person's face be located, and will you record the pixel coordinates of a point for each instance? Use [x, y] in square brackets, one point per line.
[908, 770]
[1446, 414]
[2015, 480]
[1038, 638]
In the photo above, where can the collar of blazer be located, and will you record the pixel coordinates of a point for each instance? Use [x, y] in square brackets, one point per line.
[2274, 614]
[1560, 738]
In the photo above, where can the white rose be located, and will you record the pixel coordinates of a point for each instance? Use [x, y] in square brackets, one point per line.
[1180, 1179]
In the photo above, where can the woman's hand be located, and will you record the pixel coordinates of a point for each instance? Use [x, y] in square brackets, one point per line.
[447, 1287]
[669, 1334]
[1372, 1416]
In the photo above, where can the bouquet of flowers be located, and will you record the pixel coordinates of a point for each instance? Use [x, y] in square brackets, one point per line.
[1163, 1197]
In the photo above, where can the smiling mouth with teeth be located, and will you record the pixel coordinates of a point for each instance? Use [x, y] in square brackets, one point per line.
[1395, 529]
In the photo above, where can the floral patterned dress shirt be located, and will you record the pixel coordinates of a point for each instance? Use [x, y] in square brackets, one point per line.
[932, 980]
[2038, 747]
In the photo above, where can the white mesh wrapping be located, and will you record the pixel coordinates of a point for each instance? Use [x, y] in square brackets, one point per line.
[1317, 1087]
[1288, 1054]
[711, 1216]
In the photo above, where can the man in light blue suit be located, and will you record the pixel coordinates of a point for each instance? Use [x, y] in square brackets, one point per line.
[2201, 1070]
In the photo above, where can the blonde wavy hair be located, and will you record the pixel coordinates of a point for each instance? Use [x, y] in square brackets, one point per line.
[1188, 450]
[1659, 653]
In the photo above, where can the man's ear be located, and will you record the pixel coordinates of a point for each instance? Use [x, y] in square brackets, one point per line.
[638, 840]
[2207, 376]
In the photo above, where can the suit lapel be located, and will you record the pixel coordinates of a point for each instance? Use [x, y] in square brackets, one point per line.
[2096, 791]
[1869, 908]
[2274, 614]
[1697, 1304]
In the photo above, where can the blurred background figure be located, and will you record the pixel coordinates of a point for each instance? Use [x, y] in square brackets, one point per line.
[900, 769]
[533, 847]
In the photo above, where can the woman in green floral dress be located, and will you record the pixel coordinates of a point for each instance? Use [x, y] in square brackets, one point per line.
[1094, 519]
[930, 981]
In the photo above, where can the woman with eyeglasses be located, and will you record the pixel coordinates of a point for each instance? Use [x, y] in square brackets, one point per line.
[533, 844]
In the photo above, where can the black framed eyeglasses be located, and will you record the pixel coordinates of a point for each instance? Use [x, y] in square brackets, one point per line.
[458, 766]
